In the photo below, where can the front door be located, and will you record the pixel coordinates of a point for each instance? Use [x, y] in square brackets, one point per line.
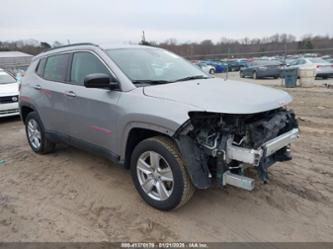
[92, 113]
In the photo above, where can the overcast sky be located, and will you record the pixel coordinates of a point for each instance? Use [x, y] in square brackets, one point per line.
[105, 21]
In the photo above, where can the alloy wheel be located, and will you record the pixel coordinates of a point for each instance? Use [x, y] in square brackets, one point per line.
[34, 134]
[155, 175]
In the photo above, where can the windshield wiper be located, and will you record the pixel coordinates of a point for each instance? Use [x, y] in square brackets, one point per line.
[152, 82]
[195, 77]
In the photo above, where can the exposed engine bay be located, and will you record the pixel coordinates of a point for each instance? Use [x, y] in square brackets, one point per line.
[219, 147]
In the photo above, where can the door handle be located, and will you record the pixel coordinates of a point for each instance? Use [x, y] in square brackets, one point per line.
[70, 94]
[37, 87]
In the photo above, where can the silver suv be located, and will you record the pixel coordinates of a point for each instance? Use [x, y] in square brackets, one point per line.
[175, 127]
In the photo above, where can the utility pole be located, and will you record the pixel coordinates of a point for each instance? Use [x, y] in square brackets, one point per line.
[143, 37]
[226, 75]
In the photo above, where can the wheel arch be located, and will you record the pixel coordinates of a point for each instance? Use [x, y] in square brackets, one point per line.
[137, 133]
[25, 109]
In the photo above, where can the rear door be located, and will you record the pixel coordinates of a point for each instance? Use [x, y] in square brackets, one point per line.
[50, 88]
[248, 70]
[92, 113]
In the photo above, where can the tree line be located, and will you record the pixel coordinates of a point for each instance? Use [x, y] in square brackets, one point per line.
[246, 47]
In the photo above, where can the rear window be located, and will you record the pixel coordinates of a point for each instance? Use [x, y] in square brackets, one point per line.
[56, 67]
[6, 78]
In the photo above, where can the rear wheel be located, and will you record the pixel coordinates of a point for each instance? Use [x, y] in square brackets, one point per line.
[241, 74]
[36, 134]
[212, 71]
[159, 174]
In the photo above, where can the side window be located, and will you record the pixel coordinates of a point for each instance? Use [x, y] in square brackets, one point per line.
[56, 67]
[300, 62]
[85, 63]
[40, 67]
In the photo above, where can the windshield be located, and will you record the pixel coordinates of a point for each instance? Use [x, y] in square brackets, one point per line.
[267, 63]
[317, 60]
[5, 78]
[152, 65]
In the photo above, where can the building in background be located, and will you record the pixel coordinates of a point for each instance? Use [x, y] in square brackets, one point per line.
[15, 61]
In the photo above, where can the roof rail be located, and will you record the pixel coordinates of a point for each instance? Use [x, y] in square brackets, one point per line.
[72, 45]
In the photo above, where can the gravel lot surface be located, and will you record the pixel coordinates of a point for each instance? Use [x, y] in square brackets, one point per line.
[72, 195]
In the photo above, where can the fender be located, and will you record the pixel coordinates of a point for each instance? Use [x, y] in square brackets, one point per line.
[195, 160]
[25, 102]
[142, 125]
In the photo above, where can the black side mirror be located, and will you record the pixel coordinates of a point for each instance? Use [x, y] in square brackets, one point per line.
[100, 80]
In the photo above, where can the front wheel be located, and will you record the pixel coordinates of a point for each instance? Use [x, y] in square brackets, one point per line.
[212, 71]
[159, 173]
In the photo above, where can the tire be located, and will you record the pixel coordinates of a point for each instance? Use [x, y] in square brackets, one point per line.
[212, 71]
[36, 135]
[177, 192]
[241, 74]
[254, 75]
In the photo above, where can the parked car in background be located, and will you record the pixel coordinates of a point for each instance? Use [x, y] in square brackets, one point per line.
[323, 68]
[205, 67]
[8, 95]
[233, 65]
[330, 61]
[219, 66]
[261, 69]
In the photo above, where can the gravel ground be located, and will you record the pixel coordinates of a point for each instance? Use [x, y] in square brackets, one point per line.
[71, 195]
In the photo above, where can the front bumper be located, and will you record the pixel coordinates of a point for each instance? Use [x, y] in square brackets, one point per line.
[10, 109]
[259, 158]
[254, 156]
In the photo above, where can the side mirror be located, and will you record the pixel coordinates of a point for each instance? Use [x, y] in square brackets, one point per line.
[100, 80]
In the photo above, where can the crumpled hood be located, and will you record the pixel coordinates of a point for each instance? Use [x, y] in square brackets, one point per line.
[220, 96]
[9, 89]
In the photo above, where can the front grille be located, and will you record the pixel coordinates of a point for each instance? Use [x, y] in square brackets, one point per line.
[8, 99]
[9, 111]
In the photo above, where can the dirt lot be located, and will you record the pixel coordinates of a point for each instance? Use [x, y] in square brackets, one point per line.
[71, 195]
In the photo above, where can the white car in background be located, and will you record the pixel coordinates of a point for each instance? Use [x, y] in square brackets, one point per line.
[323, 68]
[9, 94]
[206, 68]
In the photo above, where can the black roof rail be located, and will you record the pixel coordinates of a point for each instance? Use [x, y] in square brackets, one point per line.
[72, 45]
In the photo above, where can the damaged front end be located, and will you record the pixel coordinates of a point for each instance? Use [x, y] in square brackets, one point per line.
[217, 148]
